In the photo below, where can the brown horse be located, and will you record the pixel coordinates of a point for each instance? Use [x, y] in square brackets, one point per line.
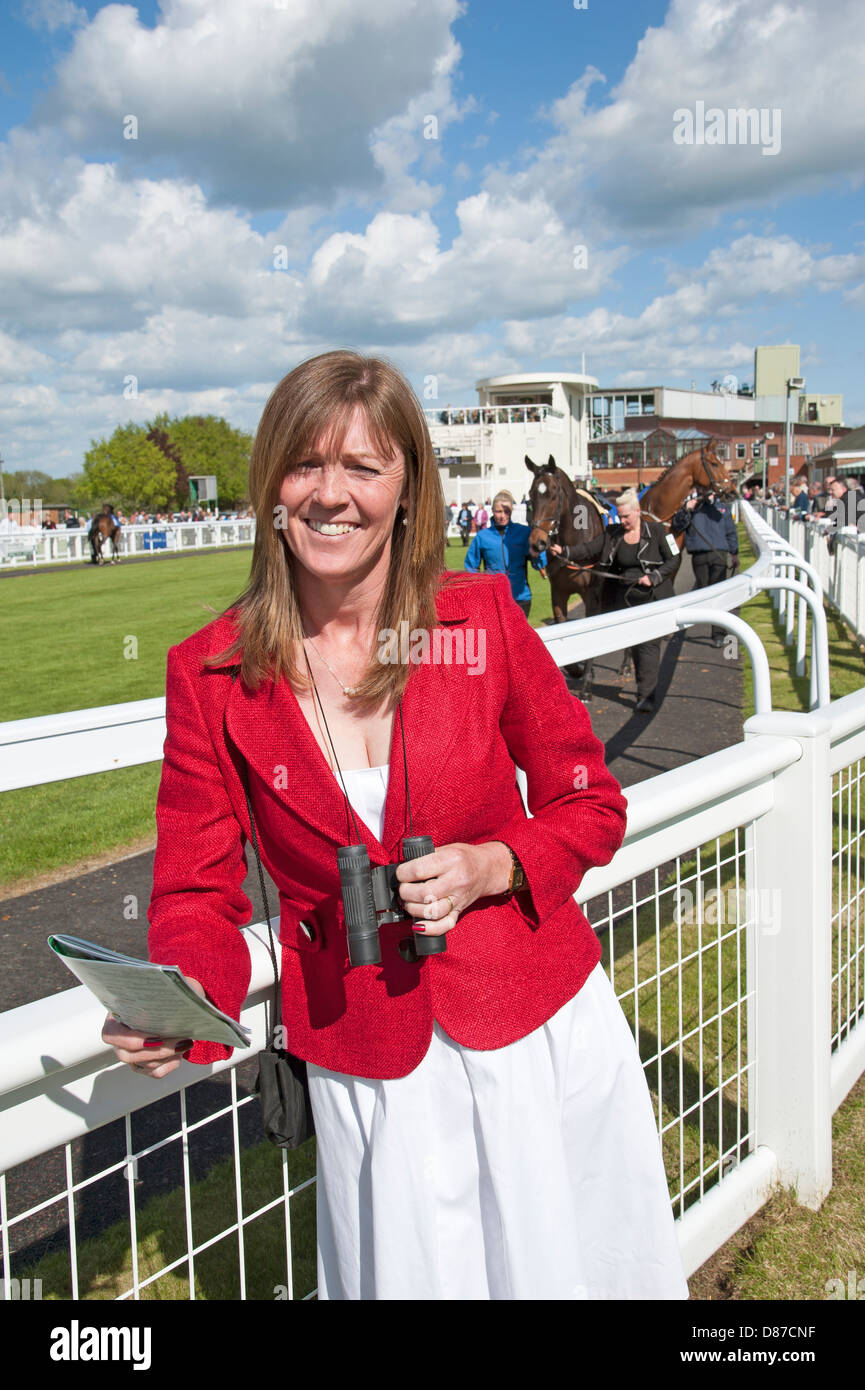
[103, 527]
[561, 516]
[702, 468]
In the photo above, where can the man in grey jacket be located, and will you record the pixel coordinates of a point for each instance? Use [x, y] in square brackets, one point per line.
[710, 540]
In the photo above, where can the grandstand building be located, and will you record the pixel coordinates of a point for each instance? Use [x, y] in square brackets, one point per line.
[628, 435]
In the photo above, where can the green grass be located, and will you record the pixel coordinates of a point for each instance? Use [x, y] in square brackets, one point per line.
[789, 691]
[70, 631]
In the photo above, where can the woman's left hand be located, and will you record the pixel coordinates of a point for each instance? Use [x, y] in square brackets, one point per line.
[645, 581]
[437, 887]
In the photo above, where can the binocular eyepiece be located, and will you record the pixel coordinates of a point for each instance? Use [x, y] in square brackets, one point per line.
[370, 897]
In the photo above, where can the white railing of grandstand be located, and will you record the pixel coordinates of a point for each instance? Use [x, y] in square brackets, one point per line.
[498, 415]
[758, 950]
[29, 546]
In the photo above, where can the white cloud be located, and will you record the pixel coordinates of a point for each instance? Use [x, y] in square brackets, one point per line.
[81, 247]
[618, 155]
[272, 106]
[18, 361]
[511, 257]
[53, 14]
[143, 260]
[684, 330]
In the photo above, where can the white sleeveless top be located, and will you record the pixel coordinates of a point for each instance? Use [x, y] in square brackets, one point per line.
[366, 789]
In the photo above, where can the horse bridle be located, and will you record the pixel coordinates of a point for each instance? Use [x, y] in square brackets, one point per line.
[549, 529]
[714, 485]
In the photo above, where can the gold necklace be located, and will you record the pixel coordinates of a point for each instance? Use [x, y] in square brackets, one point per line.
[346, 689]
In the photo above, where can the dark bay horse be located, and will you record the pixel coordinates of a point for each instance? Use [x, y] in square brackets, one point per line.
[103, 527]
[560, 515]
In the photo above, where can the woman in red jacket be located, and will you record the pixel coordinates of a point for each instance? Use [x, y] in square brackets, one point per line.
[484, 1126]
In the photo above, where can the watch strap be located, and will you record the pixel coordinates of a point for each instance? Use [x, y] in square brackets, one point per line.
[517, 879]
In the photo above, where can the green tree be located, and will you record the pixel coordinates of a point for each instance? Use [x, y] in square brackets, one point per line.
[209, 444]
[159, 434]
[33, 483]
[128, 470]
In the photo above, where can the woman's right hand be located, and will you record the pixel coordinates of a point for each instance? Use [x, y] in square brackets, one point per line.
[147, 1055]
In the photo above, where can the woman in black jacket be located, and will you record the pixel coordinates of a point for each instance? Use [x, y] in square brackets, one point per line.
[644, 558]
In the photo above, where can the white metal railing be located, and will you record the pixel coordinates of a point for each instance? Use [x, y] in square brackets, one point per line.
[731, 919]
[28, 546]
[834, 553]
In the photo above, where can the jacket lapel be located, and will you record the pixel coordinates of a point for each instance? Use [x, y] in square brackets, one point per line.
[270, 730]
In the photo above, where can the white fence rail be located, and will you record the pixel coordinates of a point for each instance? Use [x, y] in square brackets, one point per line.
[835, 555]
[29, 546]
[733, 930]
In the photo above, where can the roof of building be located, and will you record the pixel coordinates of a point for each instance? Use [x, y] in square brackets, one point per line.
[852, 443]
[548, 379]
[638, 436]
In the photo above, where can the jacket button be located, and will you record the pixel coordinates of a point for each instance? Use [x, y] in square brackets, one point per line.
[308, 931]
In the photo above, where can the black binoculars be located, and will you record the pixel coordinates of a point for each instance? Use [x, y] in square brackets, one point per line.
[370, 897]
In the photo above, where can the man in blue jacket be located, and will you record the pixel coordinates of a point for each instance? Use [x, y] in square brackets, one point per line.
[503, 548]
[710, 539]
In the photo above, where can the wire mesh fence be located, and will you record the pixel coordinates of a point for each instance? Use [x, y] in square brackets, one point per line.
[848, 890]
[675, 949]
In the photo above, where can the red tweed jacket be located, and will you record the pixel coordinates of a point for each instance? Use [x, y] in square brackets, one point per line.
[510, 963]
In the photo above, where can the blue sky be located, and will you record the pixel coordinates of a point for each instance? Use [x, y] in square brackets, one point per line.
[281, 196]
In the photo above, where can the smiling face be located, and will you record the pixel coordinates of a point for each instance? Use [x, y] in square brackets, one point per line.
[340, 505]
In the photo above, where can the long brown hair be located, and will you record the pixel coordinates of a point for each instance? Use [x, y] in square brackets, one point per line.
[316, 400]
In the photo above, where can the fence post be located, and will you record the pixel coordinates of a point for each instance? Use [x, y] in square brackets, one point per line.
[791, 960]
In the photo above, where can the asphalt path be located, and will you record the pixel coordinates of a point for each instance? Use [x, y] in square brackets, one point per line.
[698, 711]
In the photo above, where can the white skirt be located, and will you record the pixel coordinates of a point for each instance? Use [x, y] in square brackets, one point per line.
[530, 1172]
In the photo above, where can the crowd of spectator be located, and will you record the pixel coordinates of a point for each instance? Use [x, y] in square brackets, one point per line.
[137, 517]
[830, 498]
[494, 415]
[471, 517]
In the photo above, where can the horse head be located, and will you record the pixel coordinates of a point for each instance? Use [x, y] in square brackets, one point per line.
[712, 472]
[547, 499]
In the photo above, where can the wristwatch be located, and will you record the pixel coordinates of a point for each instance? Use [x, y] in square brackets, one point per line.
[518, 876]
